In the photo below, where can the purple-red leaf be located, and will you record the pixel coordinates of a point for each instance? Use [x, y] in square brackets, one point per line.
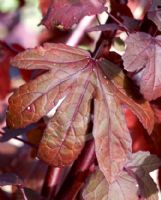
[142, 55]
[69, 12]
[154, 13]
[127, 93]
[112, 138]
[77, 78]
[69, 124]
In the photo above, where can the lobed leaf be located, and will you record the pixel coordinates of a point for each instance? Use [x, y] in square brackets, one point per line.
[69, 12]
[35, 99]
[143, 55]
[77, 78]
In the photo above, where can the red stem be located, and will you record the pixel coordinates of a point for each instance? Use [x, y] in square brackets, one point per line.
[51, 182]
[118, 22]
[22, 140]
[78, 173]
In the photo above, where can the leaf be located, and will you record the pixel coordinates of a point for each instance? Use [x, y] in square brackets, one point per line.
[139, 166]
[76, 78]
[69, 124]
[143, 55]
[10, 179]
[38, 97]
[97, 187]
[65, 134]
[128, 95]
[154, 13]
[112, 138]
[143, 160]
[130, 183]
[105, 27]
[130, 23]
[10, 133]
[70, 12]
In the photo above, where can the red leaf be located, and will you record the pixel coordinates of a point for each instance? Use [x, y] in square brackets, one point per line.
[112, 138]
[69, 12]
[128, 95]
[143, 54]
[77, 78]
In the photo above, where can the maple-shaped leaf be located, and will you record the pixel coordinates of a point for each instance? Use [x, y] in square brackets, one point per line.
[69, 12]
[154, 13]
[76, 78]
[97, 187]
[139, 166]
[142, 55]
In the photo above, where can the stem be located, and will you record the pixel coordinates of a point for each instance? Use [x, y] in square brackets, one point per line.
[23, 192]
[118, 22]
[98, 53]
[98, 20]
[25, 142]
[51, 182]
[80, 30]
[78, 173]
[22, 140]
